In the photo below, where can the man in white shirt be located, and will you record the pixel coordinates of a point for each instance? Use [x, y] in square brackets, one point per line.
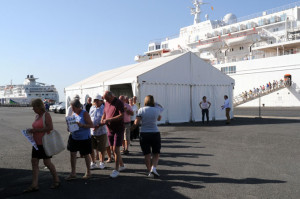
[226, 106]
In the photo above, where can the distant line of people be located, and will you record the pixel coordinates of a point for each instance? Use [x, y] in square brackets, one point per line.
[268, 87]
[103, 127]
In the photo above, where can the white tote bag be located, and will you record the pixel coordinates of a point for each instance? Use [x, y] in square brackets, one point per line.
[52, 142]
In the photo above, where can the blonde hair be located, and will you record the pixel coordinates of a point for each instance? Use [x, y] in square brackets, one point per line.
[149, 101]
[38, 103]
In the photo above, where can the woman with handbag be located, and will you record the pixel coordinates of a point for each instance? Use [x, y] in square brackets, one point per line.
[38, 130]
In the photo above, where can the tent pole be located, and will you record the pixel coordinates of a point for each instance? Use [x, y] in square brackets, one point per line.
[191, 103]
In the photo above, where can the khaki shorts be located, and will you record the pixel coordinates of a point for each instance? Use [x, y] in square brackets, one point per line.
[127, 132]
[99, 142]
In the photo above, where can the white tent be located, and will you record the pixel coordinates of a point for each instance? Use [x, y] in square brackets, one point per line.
[177, 82]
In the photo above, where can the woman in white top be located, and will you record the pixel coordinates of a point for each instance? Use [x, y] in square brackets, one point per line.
[205, 105]
[149, 136]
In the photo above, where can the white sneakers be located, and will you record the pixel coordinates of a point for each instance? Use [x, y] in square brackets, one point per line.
[95, 166]
[150, 175]
[154, 172]
[122, 168]
[114, 174]
[101, 165]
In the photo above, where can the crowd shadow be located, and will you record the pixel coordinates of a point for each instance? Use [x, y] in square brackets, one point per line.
[99, 186]
[14, 181]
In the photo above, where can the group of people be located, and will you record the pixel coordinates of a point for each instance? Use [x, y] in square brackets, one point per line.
[268, 87]
[205, 105]
[103, 127]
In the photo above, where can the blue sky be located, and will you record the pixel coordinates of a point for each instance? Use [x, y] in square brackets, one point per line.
[64, 41]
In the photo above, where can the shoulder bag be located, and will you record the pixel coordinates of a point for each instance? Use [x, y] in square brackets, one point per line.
[52, 142]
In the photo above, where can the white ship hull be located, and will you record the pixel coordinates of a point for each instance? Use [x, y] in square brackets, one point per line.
[24, 93]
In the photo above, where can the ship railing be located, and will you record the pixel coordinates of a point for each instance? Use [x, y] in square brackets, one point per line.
[164, 39]
[251, 95]
[270, 11]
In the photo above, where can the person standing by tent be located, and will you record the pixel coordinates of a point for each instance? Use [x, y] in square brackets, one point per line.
[205, 105]
[150, 140]
[113, 117]
[226, 106]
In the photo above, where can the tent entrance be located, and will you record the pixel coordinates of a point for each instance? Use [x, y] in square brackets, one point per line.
[121, 89]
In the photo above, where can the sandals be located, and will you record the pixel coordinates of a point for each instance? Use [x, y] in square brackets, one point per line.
[31, 189]
[55, 185]
[86, 176]
[70, 177]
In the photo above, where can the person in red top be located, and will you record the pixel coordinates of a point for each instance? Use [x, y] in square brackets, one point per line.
[113, 117]
[38, 130]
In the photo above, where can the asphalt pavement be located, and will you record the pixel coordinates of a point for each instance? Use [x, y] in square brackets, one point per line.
[250, 158]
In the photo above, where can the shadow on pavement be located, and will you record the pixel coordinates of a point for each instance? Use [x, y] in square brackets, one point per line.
[14, 181]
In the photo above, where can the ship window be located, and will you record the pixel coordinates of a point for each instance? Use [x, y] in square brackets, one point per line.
[46, 94]
[151, 48]
[165, 46]
[228, 69]
[242, 48]
[157, 47]
[283, 17]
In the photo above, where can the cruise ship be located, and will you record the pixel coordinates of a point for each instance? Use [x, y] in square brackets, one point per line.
[254, 50]
[23, 93]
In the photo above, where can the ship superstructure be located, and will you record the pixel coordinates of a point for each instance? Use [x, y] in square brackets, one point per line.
[261, 47]
[30, 89]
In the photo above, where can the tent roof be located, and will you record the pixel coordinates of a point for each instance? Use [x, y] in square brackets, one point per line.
[121, 75]
[184, 68]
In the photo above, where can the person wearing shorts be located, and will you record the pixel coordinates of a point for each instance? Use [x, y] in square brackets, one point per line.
[127, 122]
[80, 140]
[98, 133]
[150, 140]
[113, 117]
[41, 125]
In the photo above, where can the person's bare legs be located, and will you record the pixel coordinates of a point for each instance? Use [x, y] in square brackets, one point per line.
[92, 156]
[101, 155]
[52, 169]
[118, 158]
[108, 154]
[155, 158]
[87, 163]
[148, 161]
[73, 163]
[35, 172]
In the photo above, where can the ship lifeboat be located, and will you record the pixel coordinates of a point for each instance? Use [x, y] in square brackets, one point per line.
[211, 45]
[242, 39]
[141, 58]
[170, 52]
